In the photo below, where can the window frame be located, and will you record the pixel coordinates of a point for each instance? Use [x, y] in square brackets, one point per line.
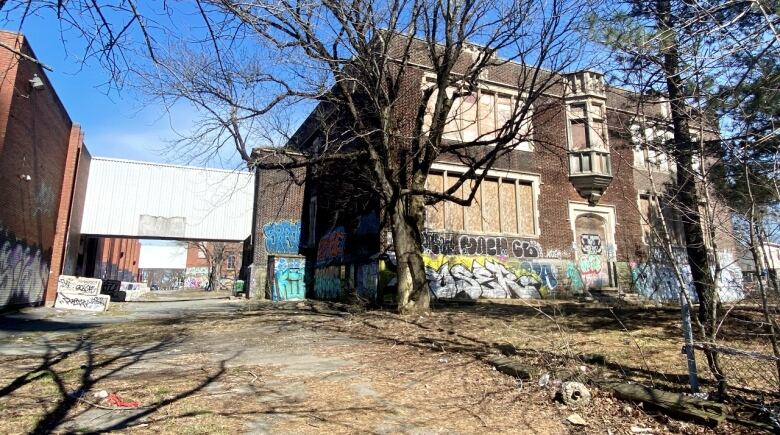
[589, 153]
[497, 90]
[642, 137]
[534, 180]
[676, 229]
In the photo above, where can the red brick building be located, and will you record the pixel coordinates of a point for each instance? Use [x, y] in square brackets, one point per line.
[116, 258]
[564, 212]
[41, 151]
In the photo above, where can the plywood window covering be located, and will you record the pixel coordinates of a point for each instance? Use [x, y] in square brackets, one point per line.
[453, 213]
[435, 213]
[480, 115]
[500, 206]
[473, 213]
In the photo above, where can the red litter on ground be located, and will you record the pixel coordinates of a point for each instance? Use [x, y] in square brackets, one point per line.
[115, 400]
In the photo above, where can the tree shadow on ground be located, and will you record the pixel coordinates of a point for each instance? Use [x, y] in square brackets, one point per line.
[93, 360]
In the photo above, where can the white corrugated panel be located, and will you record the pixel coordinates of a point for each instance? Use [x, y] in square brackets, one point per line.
[144, 199]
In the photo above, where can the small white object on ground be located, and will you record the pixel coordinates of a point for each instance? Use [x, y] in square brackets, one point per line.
[576, 420]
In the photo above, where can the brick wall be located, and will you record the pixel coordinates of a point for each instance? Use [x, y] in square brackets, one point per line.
[279, 208]
[38, 146]
[196, 258]
[556, 258]
[117, 258]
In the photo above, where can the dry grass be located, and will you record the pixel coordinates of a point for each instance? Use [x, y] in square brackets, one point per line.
[370, 372]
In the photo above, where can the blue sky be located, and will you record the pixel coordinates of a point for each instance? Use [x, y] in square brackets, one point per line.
[116, 123]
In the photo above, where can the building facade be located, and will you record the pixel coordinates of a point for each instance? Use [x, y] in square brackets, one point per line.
[566, 212]
[42, 159]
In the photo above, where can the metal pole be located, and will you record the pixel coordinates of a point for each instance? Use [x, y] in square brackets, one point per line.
[685, 312]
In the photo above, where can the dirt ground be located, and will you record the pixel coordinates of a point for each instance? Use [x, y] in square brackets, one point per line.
[204, 363]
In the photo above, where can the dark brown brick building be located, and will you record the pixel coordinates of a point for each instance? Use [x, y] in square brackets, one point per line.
[564, 212]
[40, 153]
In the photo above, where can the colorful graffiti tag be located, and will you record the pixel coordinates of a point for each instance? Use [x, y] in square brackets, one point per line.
[282, 237]
[327, 282]
[24, 272]
[658, 281]
[289, 274]
[592, 271]
[196, 277]
[331, 246]
[455, 244]
[474, 277]
[367, 279]
[591, 244]
[574, 277]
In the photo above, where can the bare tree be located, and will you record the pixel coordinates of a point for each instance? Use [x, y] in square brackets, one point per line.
[215, 254]
[359, 63]
[362, 61]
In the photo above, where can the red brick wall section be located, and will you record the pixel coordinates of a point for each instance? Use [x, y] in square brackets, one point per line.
[35, 136]
[194, 256]
[280, 202]
[117, 258]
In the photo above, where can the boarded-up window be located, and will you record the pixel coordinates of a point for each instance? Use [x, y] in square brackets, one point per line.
[487, 115]
[526, 208]
[435, 213]
[492, 222]
[453, 213]
[473, 215]
[467, 118]
[598, 134]
[480, 115]
[500, 205]
[508, 206]
[577, 111]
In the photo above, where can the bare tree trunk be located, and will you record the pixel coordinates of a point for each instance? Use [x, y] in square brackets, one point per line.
[696, 249]
[413, 293]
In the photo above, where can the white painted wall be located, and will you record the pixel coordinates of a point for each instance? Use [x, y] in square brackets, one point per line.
[157, 254]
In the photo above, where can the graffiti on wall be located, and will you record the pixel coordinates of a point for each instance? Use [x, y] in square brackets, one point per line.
[24, 271]
[327, 282]
[575, 277]
[658, 281]
[591, 244]
[82, 302]
[79, 286]
[282, 237]
[474, 277]
[331, 246]
[196, 277]
[367, 280]
[593, 272]
[455, 244]
[289, 276]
